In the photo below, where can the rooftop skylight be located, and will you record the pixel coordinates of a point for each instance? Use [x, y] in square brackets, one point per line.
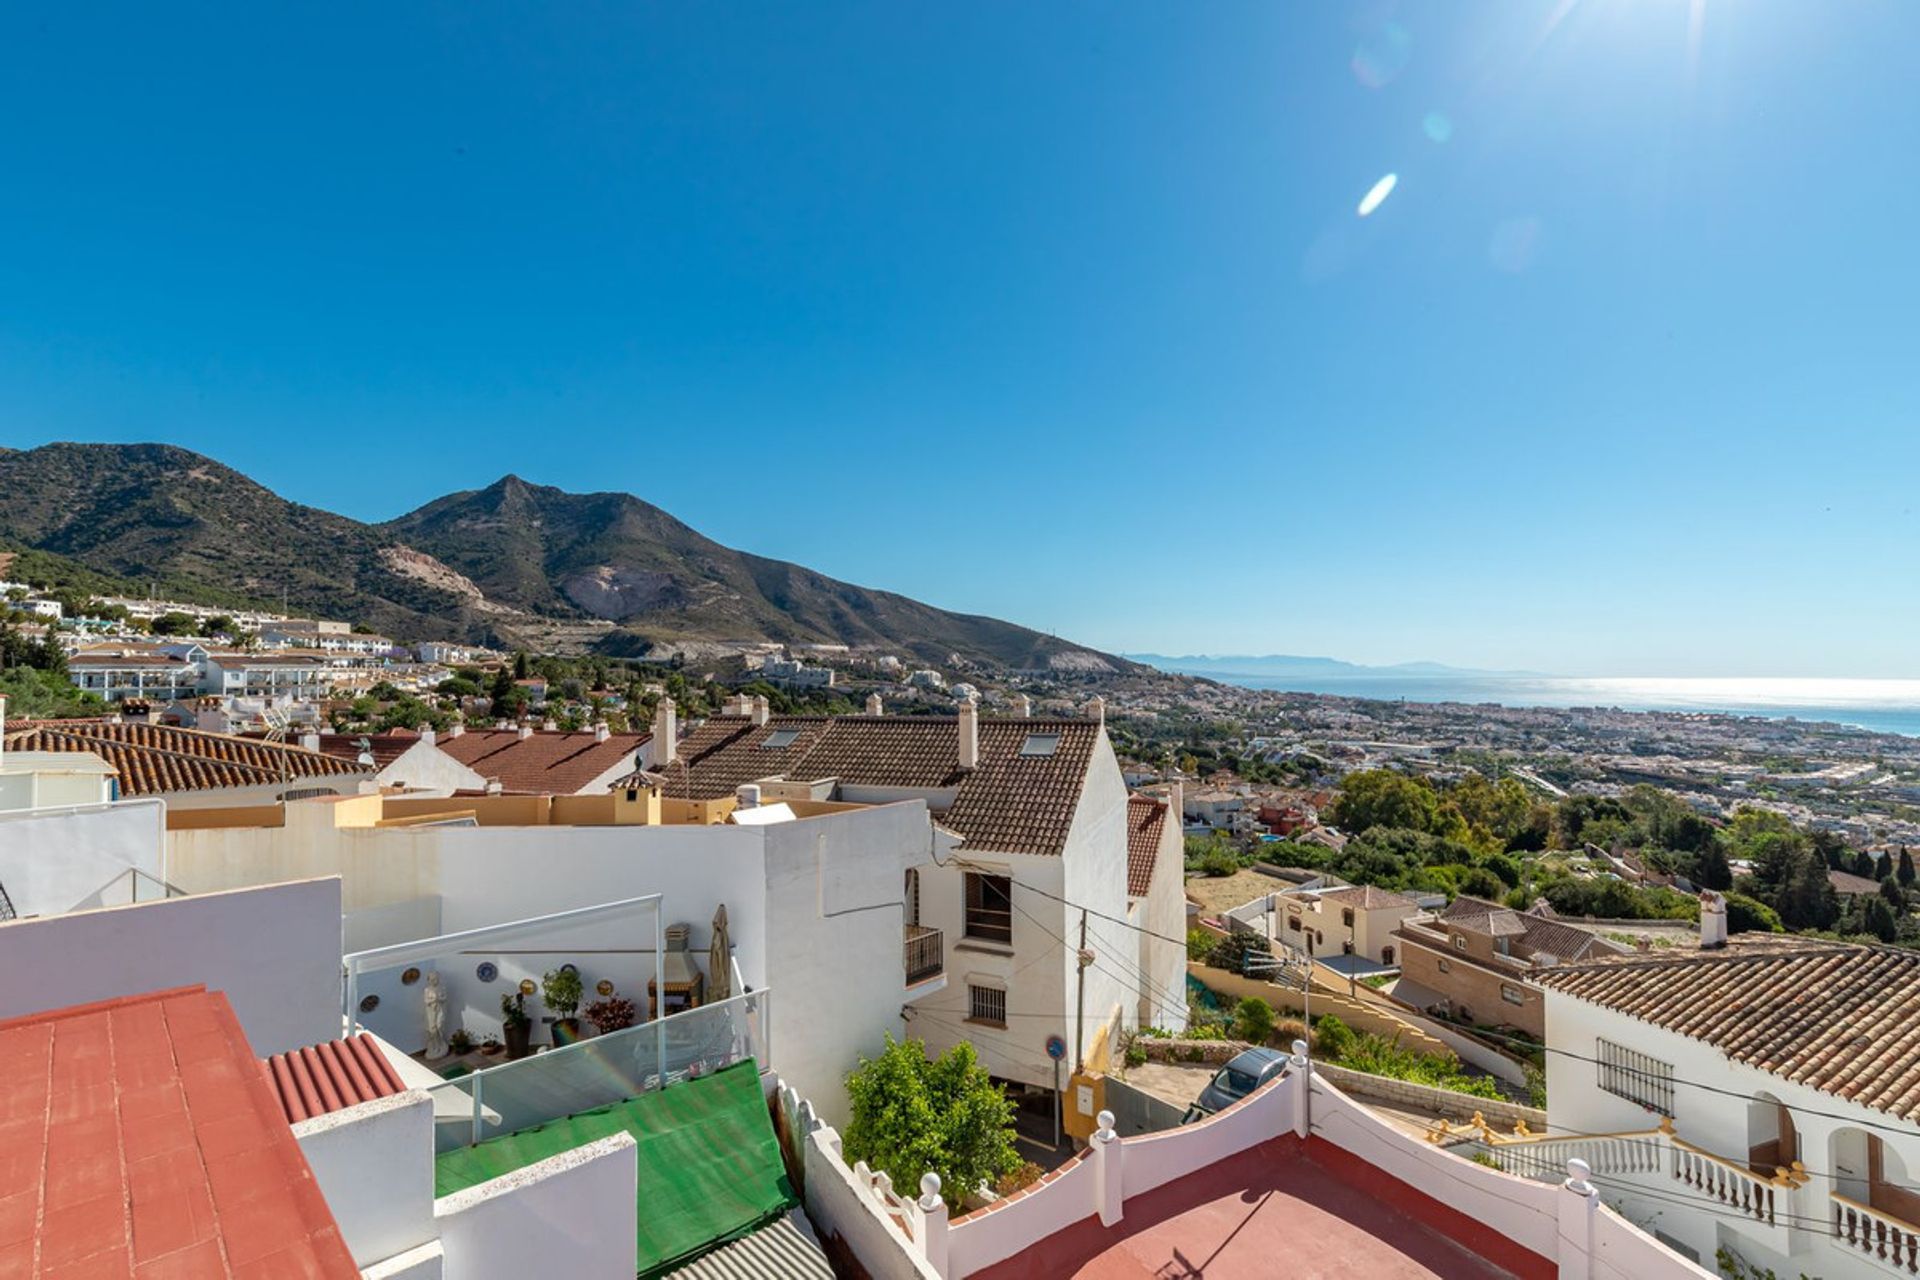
[1040, 744]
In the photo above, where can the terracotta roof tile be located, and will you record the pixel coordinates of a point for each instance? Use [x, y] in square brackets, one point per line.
[152, 1142]
[1367, 897]
[329, 1077]
[157, 759]
[548, 762]
[1540, 936]
[1840, 1018]
[1009, 802]
[1146, 823]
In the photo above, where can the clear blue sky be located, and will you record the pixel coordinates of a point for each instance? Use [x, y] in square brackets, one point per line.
[1061, 312]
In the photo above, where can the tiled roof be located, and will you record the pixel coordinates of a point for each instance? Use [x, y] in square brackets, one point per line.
[157, 759]
[329, 1077]
[1836, 1017]
[1009, 802]
[384, 747]
[549, 762]
[1367, 897]
[1146, 823]
[142, 1140]
[1542, 936]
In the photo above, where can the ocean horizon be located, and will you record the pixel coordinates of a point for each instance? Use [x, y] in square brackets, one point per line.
[1883, 706]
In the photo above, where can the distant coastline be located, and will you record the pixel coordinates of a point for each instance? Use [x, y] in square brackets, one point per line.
[1880, 706]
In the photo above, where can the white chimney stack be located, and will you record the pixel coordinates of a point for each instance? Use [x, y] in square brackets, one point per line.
[427, 735]
[666, 733]
[310, 742]
[457, 728]
[969, 734]
[1023, 706]
[1713, 920]
[600, 731]
[549, 724]
[874, 705]
[1097, 710]
[526, 730]
[747, 796]
[762, 709]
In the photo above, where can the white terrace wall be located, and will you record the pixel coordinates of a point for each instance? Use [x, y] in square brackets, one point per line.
[374, 1164]
[274, 951]
[572, 1215]
[54, 860]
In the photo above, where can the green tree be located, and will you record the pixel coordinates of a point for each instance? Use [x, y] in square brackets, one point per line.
[1805, 898]
[912, 1115]
[1877, 918]
[1383, 798]
[1883, 865]
[1750, 915]
[1710, 868]
[174, 624]
[1253, 1020]
[1905, 873]
[1894, 895]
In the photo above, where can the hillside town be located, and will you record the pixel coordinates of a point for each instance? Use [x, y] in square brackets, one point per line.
[407, 960]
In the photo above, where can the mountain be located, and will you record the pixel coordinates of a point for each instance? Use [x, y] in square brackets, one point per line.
[1278, 666]
[511, 564]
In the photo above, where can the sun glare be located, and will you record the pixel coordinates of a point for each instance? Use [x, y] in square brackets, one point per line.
[1377, 194]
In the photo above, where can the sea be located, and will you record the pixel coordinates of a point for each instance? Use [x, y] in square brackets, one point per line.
[1884, 706]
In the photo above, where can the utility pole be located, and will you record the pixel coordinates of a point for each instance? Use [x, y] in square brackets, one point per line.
[1080, 1000]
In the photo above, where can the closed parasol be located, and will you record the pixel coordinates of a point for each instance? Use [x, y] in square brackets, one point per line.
[719, 956]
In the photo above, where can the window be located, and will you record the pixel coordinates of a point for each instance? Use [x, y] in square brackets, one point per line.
[1040, 744]
[1459, 942]
[1512, 994]
[987, 1004]
[1446, 966]
[989, 908]
[1346, 916]
[913, 895]
[1293, 923]
[779, 739]
[1635, 1076]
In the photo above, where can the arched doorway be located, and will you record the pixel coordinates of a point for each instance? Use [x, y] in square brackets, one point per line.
[1772, 1141]
[1868, 1171]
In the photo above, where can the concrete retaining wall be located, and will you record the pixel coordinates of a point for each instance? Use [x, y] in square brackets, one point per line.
[1428, 1098]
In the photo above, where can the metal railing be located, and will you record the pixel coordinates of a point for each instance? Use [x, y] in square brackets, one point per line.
[988, 924]
[601, 1071]
[925, 953]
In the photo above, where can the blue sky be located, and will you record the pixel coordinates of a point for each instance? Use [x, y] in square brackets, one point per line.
[1058, 312]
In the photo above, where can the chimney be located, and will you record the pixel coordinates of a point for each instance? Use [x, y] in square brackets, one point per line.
[761, 709]
[874, 705]
[493, 786]
[1713, 920]
[666, 733]
[1643, 944]
[1023, 706]
[310, 742]
[503, 723]
[427, 735]
[1097, 710]
[747, 796]
[549, 724]
[526, 730]
[969, 726]
[457, 728]
[600, 731]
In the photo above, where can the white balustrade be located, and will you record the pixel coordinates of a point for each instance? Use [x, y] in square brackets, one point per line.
[1882, 1237]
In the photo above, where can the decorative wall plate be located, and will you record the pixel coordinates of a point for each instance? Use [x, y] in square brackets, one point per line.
[369, 1003]
[486, 971]
[410, 977]
[528, 986]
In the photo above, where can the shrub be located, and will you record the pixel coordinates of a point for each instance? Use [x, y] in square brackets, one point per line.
[1335, 1037]
[1253, 1020]
[1199, 945]
[912, 1115]
[561, 990]
[1025, 1176]
[611, 1014]
[1219, 861]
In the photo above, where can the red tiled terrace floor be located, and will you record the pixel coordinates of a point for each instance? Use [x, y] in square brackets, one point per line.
[1283, 1208]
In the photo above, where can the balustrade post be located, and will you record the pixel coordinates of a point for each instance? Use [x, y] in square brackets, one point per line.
[932, 1236]
[1108, 1179]
[1579, 1203]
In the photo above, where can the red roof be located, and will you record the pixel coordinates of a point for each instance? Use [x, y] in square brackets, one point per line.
[548, 762]
[1146, 823]
[139, 1137]
[330, 1077]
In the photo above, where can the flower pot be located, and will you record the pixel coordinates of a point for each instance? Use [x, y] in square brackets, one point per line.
[517, 1036]
[566, 1031]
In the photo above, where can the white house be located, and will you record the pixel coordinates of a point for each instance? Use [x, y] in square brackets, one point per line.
[1759, 1095]
[1043, 870]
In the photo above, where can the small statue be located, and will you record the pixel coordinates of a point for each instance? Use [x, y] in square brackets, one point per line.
[436, 997]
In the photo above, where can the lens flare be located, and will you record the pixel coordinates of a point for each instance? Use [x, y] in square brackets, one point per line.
[1437, 127]
[1379, 58]
[1377, 194]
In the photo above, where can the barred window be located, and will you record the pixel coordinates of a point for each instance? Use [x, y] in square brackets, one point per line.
[987, 1004]
[1635, 1076]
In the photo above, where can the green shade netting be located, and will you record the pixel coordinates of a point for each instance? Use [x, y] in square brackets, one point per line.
[710, 1167]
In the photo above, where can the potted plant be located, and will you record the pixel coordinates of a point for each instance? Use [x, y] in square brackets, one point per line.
[561, 990]
[515, 1023]
[611, 1014]
[460, 1041]
[491, 1046]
